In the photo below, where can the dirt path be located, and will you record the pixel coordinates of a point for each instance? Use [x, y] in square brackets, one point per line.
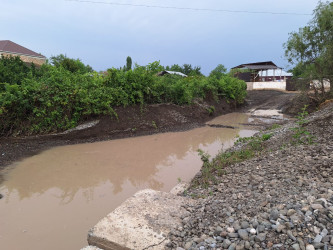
[137, 121]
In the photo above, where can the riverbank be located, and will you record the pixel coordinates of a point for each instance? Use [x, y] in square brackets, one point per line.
[282, 198]
[138, 121]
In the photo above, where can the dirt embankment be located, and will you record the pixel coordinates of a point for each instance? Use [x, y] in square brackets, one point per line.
[139, 120]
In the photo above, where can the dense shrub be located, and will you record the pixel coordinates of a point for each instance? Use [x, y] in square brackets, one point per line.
[72, 65]
[13, 70]
[58, 99]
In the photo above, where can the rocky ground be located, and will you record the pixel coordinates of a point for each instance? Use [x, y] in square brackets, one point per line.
[282, 199]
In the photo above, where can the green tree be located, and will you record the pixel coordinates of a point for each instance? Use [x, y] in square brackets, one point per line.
[196, 71]
[128, 63]
[154, 67]
[72, 65]
[311, 48]
[218, 72]
[186, 69]
[176, 68]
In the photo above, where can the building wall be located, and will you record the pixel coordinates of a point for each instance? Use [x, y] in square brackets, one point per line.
[249, 85]
[318, 84]
[266, 85]
[271, 78]
[27, 59]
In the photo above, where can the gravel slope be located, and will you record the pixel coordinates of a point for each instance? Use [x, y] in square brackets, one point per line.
[282, 199]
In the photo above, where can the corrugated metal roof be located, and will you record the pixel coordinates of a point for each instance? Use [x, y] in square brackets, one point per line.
[11, 47]
[258, 66]
[162, 73]
[176, 73]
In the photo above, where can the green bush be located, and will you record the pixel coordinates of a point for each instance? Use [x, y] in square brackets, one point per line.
[57, 98]
[13, 70]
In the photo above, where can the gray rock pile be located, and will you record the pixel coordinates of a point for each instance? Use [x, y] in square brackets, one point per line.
[283, 199]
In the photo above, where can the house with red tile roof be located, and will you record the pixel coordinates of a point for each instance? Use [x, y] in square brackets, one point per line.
[9, 48]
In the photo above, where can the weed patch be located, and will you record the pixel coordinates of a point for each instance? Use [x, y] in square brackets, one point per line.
[301, 135]
[216, 167]
[274, 126]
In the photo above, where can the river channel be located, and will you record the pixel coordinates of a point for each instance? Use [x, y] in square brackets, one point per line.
[53, 198]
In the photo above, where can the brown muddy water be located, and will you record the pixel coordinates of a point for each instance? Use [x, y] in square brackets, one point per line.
[52, 199]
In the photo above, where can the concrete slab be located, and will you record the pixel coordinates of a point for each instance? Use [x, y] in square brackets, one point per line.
[91, 248]
[141, 222]
[180, 188]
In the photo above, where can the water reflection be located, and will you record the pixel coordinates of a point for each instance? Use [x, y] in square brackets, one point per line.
[71, 187]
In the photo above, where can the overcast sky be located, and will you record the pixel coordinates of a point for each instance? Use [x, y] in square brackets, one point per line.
[103, 35]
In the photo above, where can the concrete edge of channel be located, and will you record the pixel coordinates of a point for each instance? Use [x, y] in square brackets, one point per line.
[143, 221]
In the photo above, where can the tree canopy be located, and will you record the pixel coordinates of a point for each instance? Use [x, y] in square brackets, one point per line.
[311, 48]
[72, 65]
[219, 71]
[186, 69]
[128, 63]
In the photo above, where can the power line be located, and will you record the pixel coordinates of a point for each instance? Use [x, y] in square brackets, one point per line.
[188, 8]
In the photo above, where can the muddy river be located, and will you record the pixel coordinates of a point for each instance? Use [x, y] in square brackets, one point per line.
[52, 199]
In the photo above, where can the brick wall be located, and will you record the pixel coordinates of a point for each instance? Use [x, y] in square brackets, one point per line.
[28, 59]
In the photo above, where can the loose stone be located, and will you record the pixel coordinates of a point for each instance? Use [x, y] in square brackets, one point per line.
[317, 239]
[233, 235]
[310, 247]
[291, 236]
[260, 237]
[324, 232]
[295, 246]
[316, 206]
[226, 243]
[274, 215]
[245, 224]
[232, 246]
[261, 228]
[291, 212]
[243, 234]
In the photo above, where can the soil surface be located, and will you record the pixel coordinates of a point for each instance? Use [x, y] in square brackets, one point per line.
[139, 120]
[281, 199]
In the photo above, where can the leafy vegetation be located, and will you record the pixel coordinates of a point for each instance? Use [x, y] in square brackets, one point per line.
[211, 169]
[128, 63]
[311, 49]
[274, 126]
[13, 70]
[72, 65]
[218, 72]
[301, 135]
[186, 69]
[61, 94]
